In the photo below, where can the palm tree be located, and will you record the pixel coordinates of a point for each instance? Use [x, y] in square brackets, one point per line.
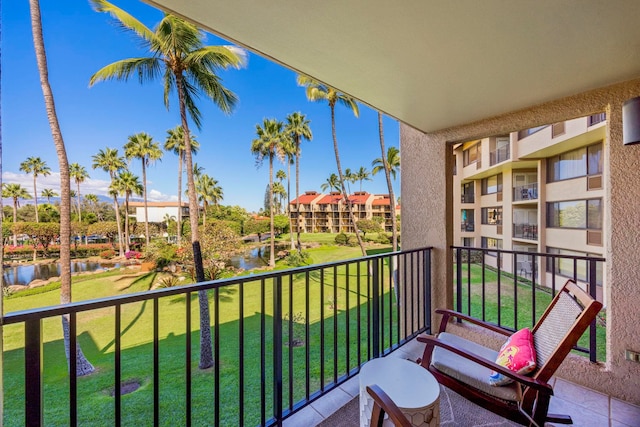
[142, 146]
[175, 143]
[92, 200]
[79, 174]
[126, 183]
[362, 175]
[279, 193]
[177, 53]
[110, 161]
[208, 190]
[332, 183]
[317, 91]
[15, 192]
[48, 193]
[83, 367]
[298, 129]
[35, 166]
[390, 164]
[282, 175]
[269, 144]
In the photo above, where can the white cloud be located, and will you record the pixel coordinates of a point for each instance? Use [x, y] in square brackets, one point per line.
[90, 186]
[157, 196]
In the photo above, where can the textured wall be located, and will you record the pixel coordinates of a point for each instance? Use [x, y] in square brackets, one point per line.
[427, 220]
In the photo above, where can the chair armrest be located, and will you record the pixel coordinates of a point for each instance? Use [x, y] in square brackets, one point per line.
[526, 381]
[382, 404]
[446, 314]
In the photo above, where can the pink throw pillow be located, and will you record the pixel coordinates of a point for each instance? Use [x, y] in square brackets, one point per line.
[517, 354]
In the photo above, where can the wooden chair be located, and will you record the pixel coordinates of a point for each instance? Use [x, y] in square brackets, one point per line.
[465, 366]
[382, 404]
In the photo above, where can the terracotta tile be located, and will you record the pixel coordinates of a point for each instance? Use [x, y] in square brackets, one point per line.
[331, 402]
[582, 396]
[304, 418]
[625, 413]
[580, 415]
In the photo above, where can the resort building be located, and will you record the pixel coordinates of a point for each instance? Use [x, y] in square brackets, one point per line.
[328, 213]
[157, 211]
[535, 191]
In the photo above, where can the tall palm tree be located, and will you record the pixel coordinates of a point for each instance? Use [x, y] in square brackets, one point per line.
[92, 200]
[35, 166]
[79, 174]
[390, 164]
[279, 193]
[362, 175]
[175, 143]
[83, 367]
[48, 193]
[178, 54]
[282, 175]
[110, 161]
[126, 183]
[298, 129]
[207, 189]
[332, 183]
[350, 178]
[15, 192]
[142, 146]
[269, 144]
[317, 91]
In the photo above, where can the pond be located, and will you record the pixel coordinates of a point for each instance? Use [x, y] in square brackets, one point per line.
[25, 274]
[254, 258]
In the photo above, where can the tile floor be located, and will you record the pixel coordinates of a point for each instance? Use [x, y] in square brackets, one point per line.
[586, 407]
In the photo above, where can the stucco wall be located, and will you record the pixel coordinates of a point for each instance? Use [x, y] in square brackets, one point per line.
[427, 220]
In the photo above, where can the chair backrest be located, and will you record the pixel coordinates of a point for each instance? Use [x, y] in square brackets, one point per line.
[561, 326]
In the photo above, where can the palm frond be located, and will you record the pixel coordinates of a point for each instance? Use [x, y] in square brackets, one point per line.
[190, 94]
[124, 20]
[211, 85]
[216, 57]
[349, 102]
[169, 81]
[175, 35]
[146, 68]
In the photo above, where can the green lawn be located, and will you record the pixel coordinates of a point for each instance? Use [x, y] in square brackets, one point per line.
[523, 295]
[339, 307]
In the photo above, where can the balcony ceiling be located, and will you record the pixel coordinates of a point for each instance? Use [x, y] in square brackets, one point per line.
[435, 64]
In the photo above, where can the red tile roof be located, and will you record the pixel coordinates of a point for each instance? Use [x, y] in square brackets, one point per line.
[359, 198]
[306, 198]
[331, 199]
[384, 201]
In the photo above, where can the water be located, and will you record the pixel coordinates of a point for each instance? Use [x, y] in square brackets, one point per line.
[25, 274]
[253, 258]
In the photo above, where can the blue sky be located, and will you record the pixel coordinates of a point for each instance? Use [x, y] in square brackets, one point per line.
[80, 41]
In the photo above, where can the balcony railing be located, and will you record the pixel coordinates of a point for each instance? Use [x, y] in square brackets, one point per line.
[505, 288]
[293, 336]
[525, 231]
[467, 226]
[525, 192]
[468, 198]
[499, 155]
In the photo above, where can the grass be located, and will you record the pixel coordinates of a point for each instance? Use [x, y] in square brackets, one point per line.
[337, 307]
[503, 310]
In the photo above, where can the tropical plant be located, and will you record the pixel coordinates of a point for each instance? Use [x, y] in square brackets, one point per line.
[178, 54]
[390, 164]
[175, 143]
[332, 183]
[279, 194]
[126, 183]
[15, 192]
[317, 91]
[297, 127]
[110, 161]
[48, 193]
[208, 191]
[79, 174]
[350, 178]
[142, 146]
[92, 200]
[35, 166]
[362, 175]
[83, 367]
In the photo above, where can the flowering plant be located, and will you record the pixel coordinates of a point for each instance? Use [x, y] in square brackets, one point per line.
[132, 255]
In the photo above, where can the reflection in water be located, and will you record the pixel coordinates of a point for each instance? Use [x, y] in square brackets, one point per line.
[25, 274]
[253, 258]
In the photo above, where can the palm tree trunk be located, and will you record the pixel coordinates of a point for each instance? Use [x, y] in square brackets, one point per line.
[15, 219]
[206, 350]
[117, 208]
[289, 202]
[387, 174]
[272, 247]
[298, 192]
[179, 227]
[78, 201]
[126, 222]
[146, 213]
[83, 366]
[35, 197]
[345, 196]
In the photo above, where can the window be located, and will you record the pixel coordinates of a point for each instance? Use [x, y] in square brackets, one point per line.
[526, 132]
[467, 220]
[492, 185]
[467, 242]
[471, 155]
[575, 214]
[491, 243]
[565, 266]
[468, 192]
[576, 163]
[492, 216]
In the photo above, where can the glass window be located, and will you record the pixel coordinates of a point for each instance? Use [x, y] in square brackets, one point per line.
[492, 185]
[471, 155]
[492, 216]
[575, 214]
[565, 266]
[594, 214]
[491, 243]
[468, 192]
[467, 242]
[467, 219]
[594, 159]
[576, 163]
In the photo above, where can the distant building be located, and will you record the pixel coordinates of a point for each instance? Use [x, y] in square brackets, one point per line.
[157, 210]
[327, 213]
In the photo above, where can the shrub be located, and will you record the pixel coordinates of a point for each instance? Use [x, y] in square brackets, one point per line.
[341, 239]
[107, 254]
[168, 282]
[352, 241]
[132, 255]
[297, 259]
[383, 239]
[161, 252]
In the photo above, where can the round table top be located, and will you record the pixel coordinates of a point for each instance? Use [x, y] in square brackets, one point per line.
[408, 384]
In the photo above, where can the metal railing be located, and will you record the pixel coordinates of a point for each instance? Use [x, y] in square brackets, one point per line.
[280, 341]
[525, 192]
[506, 288]
[499, 155]
[525, 231]
[468, 198]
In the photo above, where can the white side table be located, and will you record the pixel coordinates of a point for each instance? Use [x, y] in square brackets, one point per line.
[409, 385]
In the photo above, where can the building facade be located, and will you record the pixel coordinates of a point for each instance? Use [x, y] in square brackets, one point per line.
[157, 211]
[539, 190]
[328, 213]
